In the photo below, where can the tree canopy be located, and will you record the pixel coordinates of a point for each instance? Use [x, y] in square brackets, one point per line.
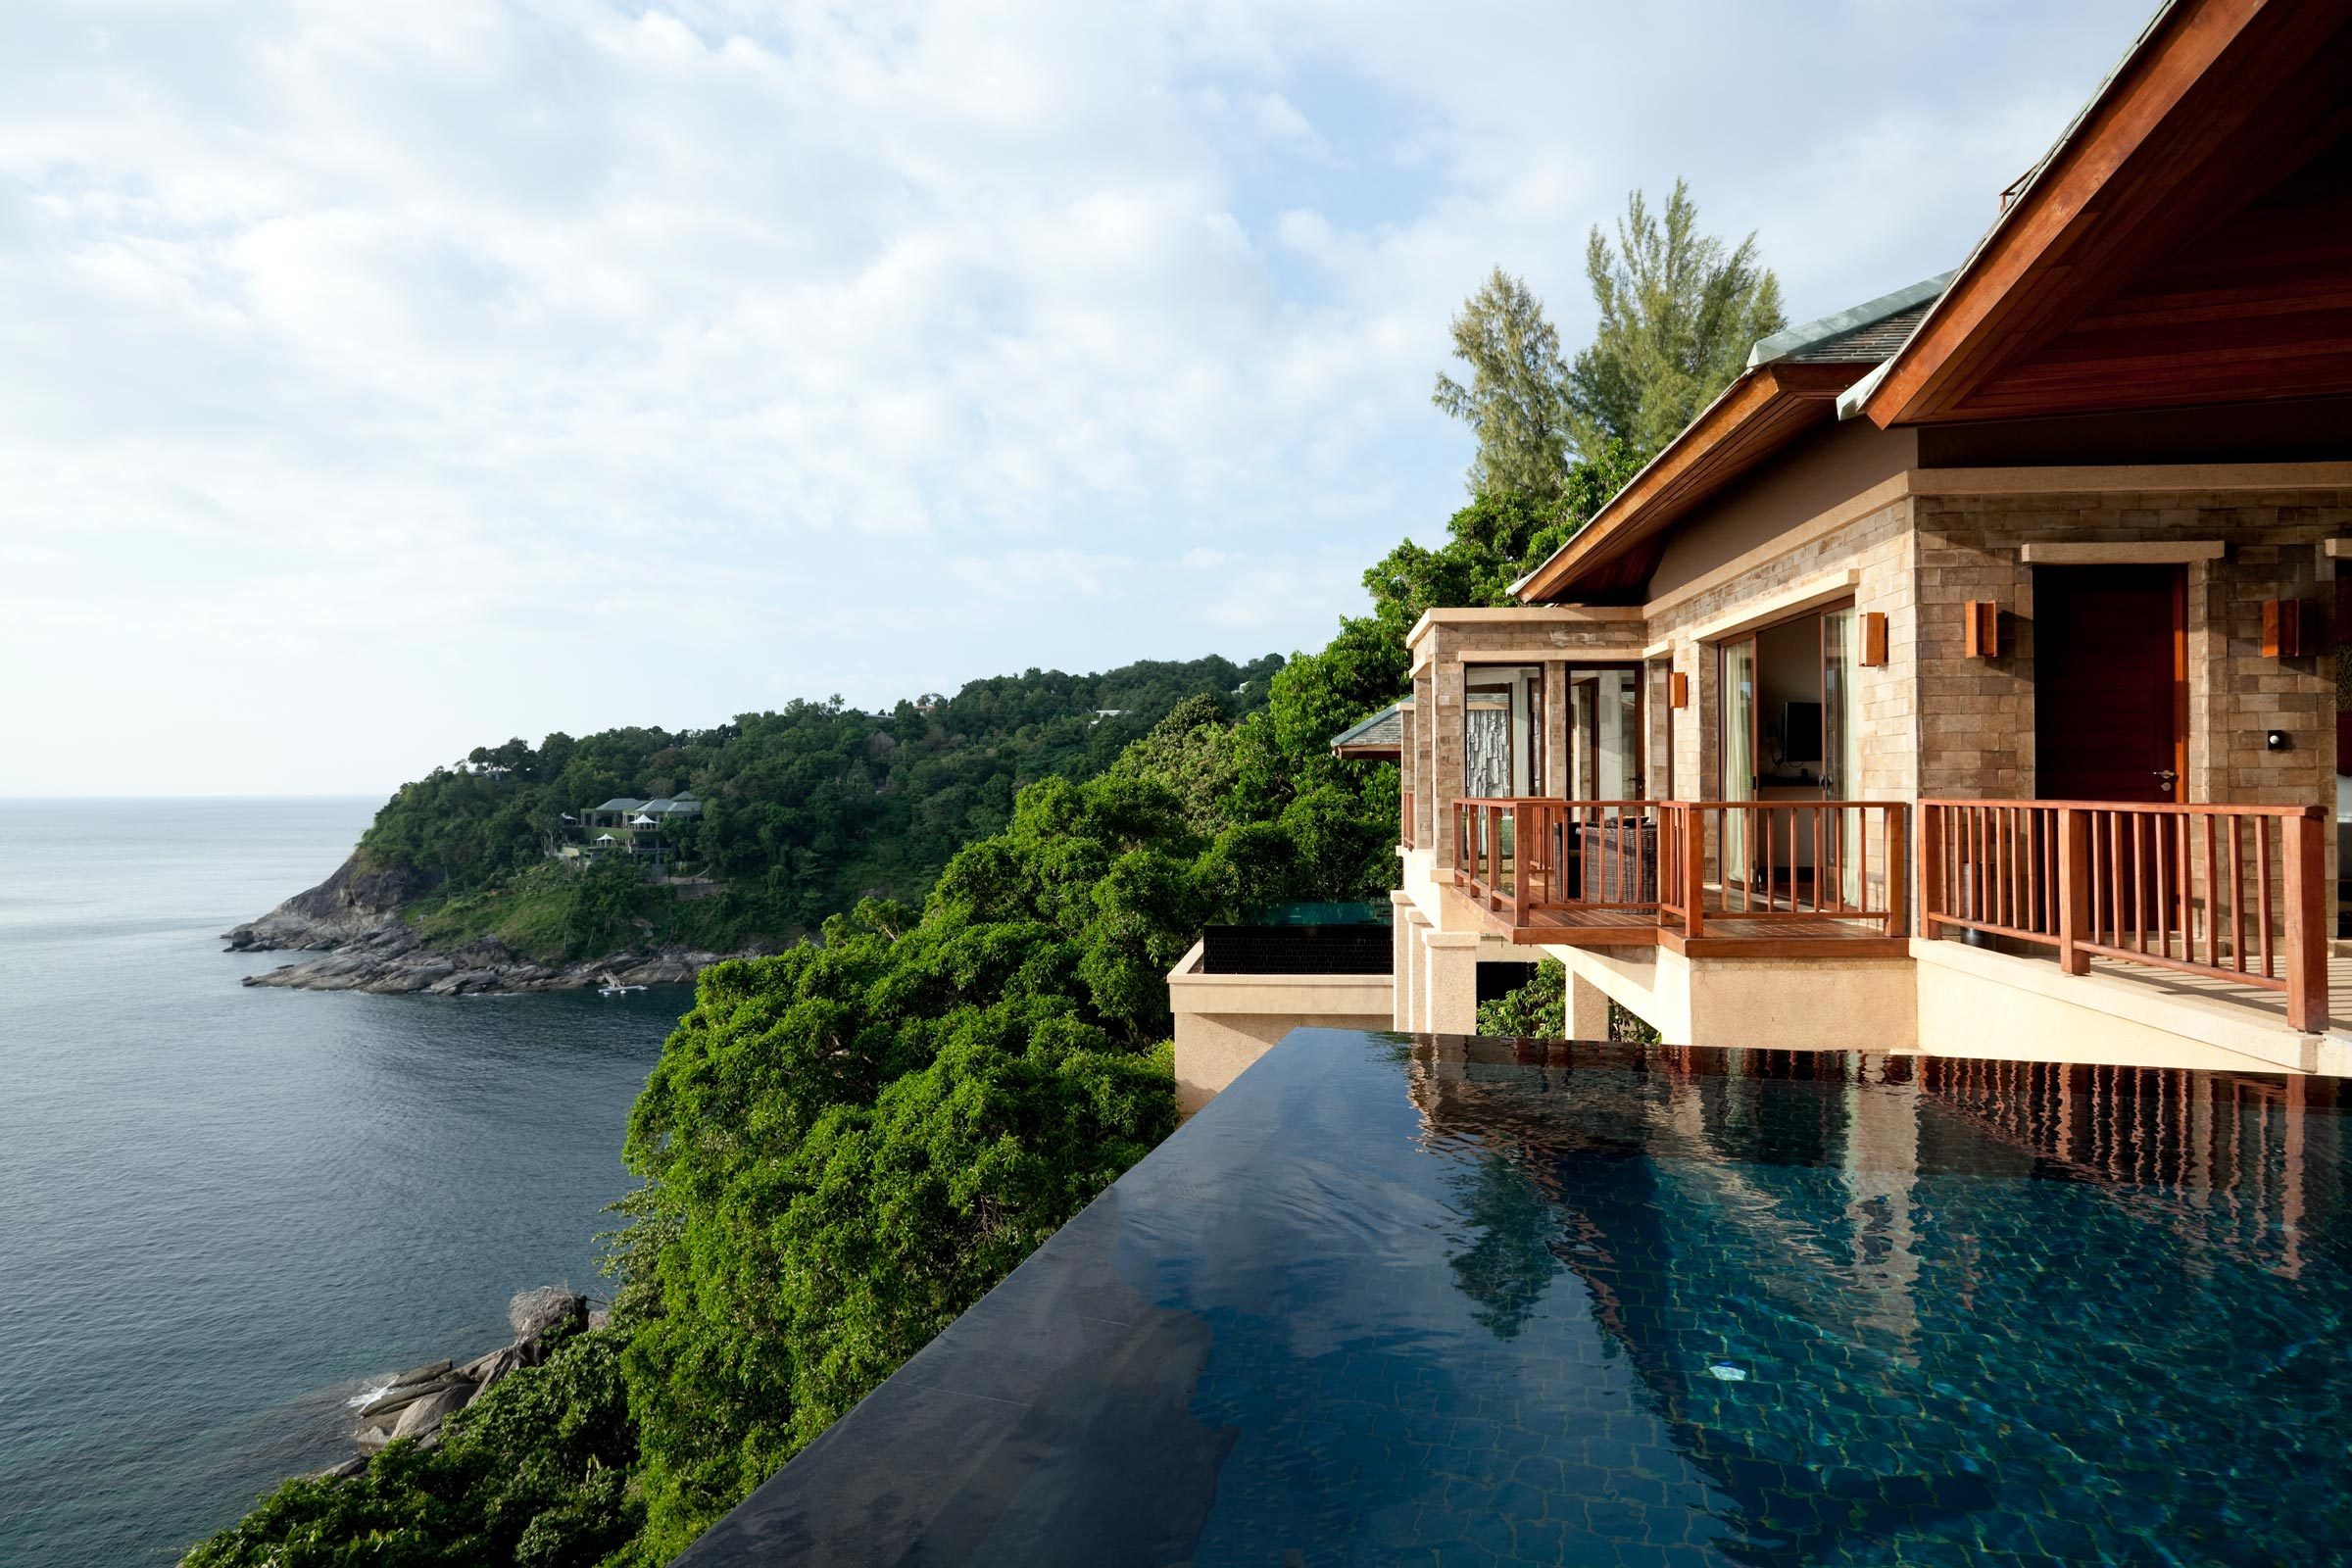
[1679, 312]
[806, 810]
[1517, 397]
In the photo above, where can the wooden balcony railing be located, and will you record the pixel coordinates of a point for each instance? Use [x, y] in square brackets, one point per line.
[1812, 861]
[1834, 860]
[2230, 891]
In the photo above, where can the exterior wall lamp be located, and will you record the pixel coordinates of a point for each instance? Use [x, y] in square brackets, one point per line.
[1983, 632]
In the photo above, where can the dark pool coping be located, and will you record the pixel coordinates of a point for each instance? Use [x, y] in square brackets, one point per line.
[1050, 1424]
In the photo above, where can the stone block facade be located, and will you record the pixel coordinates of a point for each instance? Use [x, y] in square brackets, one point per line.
[1933, 722]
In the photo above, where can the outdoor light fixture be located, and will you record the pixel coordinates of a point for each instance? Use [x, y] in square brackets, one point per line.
[1984, 629]
[2275, 739]
[1874, 639]
[2287, 632]
[1678, 690]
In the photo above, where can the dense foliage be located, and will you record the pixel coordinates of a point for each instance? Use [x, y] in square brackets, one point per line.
[844, 1145]
[1678, 311]
[535, 1473]
[805, 810]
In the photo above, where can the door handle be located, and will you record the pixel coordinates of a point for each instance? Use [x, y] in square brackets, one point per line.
[2167, 777]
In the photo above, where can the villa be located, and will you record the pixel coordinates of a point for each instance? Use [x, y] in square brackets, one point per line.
[627, 810]
[1963, 679]
[1934, 746]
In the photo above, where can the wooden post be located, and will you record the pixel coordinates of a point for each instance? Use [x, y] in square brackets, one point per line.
[2305, 863]
[2074, 888]
[1695, 870]
[1521, 897]
[1931, 870]
[1898, 916]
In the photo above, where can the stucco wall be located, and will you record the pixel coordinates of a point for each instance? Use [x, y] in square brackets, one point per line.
[1224, 1022]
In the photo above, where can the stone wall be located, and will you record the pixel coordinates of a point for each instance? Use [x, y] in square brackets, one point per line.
[1877, 548]
[1979, 732]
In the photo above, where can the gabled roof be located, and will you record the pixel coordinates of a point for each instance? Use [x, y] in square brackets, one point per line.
[1380, 735]
[620, 803]
[1790, 386]
[2187, 240]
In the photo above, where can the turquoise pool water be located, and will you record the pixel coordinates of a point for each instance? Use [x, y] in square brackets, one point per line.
[1398, 1300]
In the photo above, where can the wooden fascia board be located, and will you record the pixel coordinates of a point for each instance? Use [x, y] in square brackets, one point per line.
[1957, 341]
[1751, 419]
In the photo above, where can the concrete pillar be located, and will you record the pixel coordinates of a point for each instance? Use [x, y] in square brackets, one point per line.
[1416, 962]
[1401, 964]
[1451, 982]
[1588, 1010]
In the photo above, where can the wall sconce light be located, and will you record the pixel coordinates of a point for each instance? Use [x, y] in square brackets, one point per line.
[1984, 629]
[2275, 739]
[1678, 690]
[2287, 632]
[1874, 639]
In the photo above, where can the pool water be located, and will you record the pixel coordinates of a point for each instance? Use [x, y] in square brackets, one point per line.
[1398, 1300]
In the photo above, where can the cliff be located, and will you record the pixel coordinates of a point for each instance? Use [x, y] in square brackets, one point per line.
[352, 926]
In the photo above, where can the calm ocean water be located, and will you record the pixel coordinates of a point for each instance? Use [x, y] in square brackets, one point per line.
[222, 1210]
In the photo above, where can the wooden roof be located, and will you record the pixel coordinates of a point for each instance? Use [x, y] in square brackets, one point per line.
[1757, 416]
[2189, 241]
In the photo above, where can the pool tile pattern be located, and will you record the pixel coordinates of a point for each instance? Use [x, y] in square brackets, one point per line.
[1399, 1300]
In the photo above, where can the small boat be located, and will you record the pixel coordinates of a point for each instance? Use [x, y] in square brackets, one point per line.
[612, 988]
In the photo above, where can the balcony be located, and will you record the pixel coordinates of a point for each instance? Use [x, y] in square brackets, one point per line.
[1806, 878]
[2226, 902]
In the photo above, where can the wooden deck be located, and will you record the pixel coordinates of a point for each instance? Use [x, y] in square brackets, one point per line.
[1721, 936]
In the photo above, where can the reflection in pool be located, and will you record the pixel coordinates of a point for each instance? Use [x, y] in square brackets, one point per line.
[1394, 1301]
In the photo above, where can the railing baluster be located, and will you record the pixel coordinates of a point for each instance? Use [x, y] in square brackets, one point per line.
[2213, 927]
[2261, 882]
[2237, 901]
[2139, 887]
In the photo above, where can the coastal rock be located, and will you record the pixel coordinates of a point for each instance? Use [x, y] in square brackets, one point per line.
[489, 1369]
[533, 1314]
[393, 1400]
[421, 1374]
[352, 903]
[426, 1413]
[393, 959]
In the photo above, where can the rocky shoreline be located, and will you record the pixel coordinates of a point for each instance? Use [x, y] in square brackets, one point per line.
[414, 1403]
[350, 926]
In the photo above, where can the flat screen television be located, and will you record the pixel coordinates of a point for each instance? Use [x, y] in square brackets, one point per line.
[1801, 732]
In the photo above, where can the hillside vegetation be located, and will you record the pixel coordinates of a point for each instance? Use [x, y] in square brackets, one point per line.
[845, 1145]
[805, 810]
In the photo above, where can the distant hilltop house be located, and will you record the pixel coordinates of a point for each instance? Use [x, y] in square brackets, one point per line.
[629, 827]
[623, 810]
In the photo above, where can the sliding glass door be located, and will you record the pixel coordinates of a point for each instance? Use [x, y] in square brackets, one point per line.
[1841, 741]
[1739, 754]
[1604, 734]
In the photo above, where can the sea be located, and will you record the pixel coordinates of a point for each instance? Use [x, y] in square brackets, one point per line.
[228, 1212]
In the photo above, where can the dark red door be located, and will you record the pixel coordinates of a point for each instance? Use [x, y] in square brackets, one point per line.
[2110, 683]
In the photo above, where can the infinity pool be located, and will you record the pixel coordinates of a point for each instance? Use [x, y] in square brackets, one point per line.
[1394, 1300]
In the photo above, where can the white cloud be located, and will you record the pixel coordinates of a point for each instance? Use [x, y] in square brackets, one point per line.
[379, 381]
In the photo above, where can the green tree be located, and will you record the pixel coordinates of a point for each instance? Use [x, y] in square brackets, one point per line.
[1679, 312]
[1517, 401]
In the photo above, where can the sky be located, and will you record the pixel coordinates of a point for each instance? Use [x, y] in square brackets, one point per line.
[379, 381]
